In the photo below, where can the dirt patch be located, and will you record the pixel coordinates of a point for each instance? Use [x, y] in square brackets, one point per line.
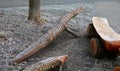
[21, 33]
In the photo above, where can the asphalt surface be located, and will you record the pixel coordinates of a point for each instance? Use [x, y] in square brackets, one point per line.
[111, 11]
[22, 3]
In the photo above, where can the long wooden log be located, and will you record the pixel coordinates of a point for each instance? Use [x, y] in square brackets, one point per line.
[48, 37]
[49, 64]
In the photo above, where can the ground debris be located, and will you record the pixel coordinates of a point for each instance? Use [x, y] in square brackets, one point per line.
[3, 35]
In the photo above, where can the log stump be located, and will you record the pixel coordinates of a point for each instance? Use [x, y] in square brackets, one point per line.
[99, 51]
[116, 68]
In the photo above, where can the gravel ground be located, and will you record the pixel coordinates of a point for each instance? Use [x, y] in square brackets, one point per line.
[21, 33]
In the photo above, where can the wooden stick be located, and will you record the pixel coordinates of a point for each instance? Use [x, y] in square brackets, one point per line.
[71, 32]
[49, 64]
[48, 37]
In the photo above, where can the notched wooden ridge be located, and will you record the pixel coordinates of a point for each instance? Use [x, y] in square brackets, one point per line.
[48, 37]
[48, 64]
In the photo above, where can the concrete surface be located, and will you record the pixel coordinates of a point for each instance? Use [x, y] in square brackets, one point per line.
[111, 11]
[21, 3]
[24, 33]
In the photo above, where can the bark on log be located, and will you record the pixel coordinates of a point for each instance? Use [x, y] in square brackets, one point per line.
[91, 32]
[49, 64]
[48, 37]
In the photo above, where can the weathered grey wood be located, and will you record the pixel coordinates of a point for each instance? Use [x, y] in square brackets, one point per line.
[48, 37]
[34, 10]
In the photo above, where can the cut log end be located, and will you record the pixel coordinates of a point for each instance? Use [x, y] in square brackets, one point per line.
[93, 47]
[97, 48]
[63, 58]
[116, 68]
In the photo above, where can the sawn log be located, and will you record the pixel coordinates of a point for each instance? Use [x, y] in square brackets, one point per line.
[48, 37]
[116, 68]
